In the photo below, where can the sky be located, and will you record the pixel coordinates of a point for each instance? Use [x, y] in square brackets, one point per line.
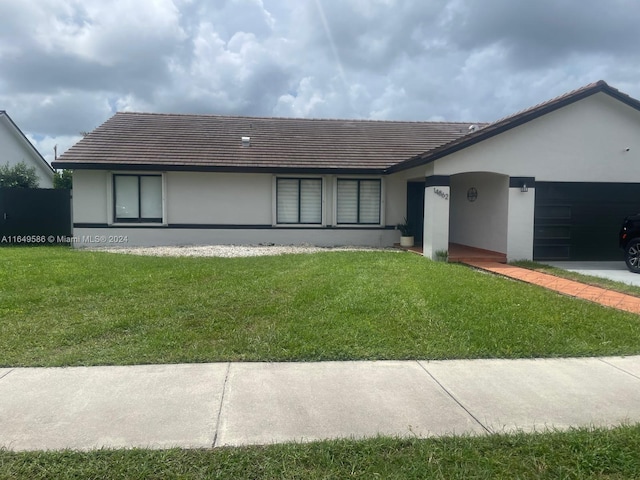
[66, 66]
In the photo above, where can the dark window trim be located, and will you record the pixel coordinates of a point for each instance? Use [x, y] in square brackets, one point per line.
[133, 220]
[358, 222]
[299, 179]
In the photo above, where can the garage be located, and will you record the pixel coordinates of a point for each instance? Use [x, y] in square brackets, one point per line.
[581, 221]
[571, 174]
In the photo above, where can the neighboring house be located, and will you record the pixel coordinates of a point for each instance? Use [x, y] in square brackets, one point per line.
[16, 148]
[553, 181]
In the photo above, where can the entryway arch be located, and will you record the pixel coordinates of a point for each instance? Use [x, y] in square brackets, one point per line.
[479, 210]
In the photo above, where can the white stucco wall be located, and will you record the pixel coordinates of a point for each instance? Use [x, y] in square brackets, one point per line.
[15, 149]
[396, 205]
[218, 198]
[520, 221]
[245, 202]
[437, 202]
[90, 196]
[323, 237]
[582, 142]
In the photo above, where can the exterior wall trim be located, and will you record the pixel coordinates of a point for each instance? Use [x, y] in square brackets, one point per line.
[221, 169]
[437, 181]
[198, 226]
[516, 182]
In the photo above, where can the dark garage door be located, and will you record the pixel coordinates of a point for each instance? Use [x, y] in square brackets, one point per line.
[580, 221]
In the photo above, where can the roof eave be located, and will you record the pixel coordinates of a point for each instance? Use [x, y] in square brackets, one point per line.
[215, 168]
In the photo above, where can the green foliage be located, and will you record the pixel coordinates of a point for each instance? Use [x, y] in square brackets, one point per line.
[406, 229]
[63, 179]
[20, 175]
[62, 306]
[442, 255]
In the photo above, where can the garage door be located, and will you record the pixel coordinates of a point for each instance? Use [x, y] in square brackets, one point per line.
[580, 221]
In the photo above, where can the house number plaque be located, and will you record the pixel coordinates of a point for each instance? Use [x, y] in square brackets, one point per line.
[441, 194]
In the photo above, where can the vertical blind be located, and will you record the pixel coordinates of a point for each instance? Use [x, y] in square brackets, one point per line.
[299, 200]
[311, 201]
[358, 201]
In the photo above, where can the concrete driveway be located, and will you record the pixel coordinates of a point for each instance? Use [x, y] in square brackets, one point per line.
[616, 270]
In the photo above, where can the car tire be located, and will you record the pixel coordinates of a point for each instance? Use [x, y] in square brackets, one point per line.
[632, 255]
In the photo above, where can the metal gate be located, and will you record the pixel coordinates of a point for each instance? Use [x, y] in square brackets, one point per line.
[34, 216]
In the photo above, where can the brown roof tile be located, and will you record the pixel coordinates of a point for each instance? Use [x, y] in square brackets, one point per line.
[145, 140]
[210, 142]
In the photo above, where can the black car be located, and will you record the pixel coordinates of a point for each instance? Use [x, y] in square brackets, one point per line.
[630, 242]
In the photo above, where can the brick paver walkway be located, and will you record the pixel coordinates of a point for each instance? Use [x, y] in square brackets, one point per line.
[572, 288]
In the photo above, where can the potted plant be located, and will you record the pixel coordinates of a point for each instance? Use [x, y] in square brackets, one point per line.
[406, 233]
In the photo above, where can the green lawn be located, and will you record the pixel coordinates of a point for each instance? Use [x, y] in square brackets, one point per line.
[61, 306]
[578, 454]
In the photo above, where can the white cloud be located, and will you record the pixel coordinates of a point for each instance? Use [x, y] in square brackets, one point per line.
[307, 100]
[67, 65]
[109, 33]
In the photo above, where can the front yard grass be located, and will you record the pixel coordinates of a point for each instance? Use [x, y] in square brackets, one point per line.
[61, 306]
[577, 454]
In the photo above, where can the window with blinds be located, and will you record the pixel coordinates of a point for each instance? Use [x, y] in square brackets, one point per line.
[138, 198]
[299, 200]
[358, 201]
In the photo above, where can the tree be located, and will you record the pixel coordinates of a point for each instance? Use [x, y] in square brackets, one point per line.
[20, 175]
[62, 179]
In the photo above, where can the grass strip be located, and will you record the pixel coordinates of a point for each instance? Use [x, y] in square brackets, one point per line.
[575, 454]
[580, 277]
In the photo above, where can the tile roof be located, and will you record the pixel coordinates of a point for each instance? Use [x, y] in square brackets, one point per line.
[210, 142]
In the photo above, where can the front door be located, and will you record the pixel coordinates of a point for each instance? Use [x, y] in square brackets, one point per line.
[415, 209]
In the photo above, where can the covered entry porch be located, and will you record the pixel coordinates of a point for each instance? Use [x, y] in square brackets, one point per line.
[479, 215]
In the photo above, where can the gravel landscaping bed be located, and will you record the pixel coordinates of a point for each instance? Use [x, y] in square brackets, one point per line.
[230, 250]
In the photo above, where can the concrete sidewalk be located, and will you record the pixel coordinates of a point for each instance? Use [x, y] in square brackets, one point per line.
[210, 405]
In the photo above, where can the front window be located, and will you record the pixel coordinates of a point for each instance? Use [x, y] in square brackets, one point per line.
[299, 200]
[138, 198]
[358, 202]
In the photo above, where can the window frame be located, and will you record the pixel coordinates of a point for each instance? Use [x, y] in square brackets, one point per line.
[299, 202]
[139, 219]
[358, 209]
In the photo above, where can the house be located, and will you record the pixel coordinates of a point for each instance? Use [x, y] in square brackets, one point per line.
[16, 148]
[551, 182]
